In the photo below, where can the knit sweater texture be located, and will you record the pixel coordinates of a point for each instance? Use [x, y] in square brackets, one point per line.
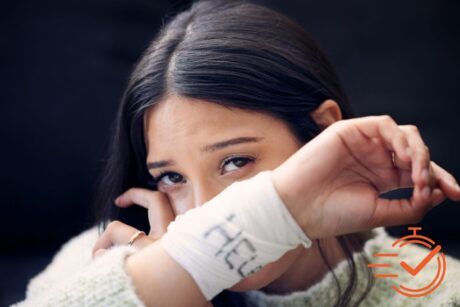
[73, 278]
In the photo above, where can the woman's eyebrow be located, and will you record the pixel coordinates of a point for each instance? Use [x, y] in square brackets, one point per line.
[234, 141]
[210, 148]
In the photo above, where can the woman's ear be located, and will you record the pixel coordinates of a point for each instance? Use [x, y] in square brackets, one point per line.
[326, 113]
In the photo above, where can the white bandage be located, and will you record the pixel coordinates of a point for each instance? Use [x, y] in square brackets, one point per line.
[233, 235]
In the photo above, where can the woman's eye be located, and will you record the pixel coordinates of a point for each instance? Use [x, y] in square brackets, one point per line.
[230, 164]
[170, 178]
[235, 163]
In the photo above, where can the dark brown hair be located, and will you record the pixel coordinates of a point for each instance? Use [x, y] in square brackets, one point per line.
[232, 53]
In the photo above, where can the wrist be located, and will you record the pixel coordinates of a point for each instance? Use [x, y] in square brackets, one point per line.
[296, 199]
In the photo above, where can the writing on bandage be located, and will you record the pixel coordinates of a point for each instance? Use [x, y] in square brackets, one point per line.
[235, 245]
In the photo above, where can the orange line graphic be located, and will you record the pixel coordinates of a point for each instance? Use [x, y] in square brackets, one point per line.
[427, 286]
[385, 275]
[386, 255]
[378, 265]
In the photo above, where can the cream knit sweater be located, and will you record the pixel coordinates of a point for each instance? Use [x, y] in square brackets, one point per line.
[74, 279]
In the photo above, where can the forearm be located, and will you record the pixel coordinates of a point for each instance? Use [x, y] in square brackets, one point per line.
[230, 237]
[219, 243]
[160, 281]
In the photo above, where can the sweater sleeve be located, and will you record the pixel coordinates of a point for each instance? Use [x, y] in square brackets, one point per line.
[325, 292]
[103, 282]
[72, 257]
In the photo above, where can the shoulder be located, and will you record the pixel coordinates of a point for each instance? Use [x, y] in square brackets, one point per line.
[422, 274]
[377, 241]
[70, 258]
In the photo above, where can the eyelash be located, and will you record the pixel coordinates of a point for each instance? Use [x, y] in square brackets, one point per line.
[248, 159]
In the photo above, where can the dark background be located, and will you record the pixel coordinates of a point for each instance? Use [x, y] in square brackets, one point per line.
[64, 65]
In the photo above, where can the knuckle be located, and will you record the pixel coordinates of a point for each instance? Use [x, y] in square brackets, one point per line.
[336, 125]
[386, 119]
[412, 128]
[113, 225]
[134, 190]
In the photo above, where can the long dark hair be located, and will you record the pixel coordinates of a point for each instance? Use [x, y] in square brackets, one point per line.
[233, 53]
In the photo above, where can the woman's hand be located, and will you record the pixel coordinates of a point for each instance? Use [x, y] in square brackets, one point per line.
[332, 184]
[147, 264]
[160, 214]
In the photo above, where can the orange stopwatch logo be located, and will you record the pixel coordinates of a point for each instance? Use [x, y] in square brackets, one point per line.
[434, 251]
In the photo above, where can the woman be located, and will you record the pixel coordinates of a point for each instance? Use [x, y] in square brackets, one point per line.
[228, 90]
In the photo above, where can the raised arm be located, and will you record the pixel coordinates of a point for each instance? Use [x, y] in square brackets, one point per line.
[331, 186]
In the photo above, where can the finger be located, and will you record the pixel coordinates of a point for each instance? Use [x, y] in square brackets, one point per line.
[99, 252]
[406, 211]
[446, 182]
[136, 196]
[118, 233]
[402, 164]
[160, 211]
[422, 174]
[386, 128]
[161, 214]
[438, 197]
[391, 212]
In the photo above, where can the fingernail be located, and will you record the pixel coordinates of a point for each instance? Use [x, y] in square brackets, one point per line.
[456, 186]
[426, 192]
[117, 200]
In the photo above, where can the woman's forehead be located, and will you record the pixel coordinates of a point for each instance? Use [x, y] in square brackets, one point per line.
[191, 122]
[184, 117]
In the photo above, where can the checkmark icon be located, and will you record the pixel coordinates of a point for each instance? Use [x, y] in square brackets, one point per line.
[421, 265]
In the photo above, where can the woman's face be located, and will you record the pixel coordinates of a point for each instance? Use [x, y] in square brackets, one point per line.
[200, 148]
